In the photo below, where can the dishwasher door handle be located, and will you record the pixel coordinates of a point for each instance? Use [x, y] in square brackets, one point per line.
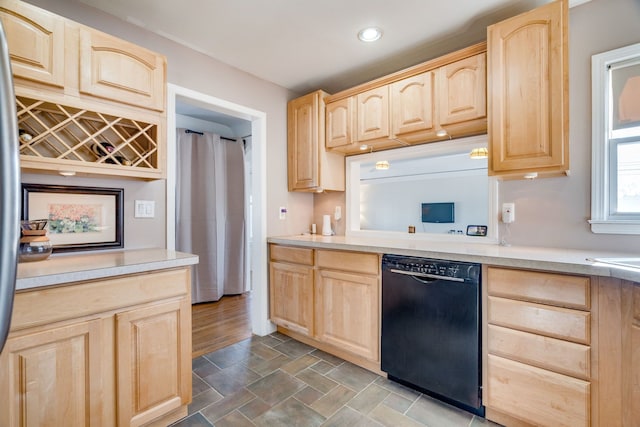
[417, 275]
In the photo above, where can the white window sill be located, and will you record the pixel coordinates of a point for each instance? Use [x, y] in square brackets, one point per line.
[615, 227]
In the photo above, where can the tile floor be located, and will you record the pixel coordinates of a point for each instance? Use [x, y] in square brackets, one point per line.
[278, 381]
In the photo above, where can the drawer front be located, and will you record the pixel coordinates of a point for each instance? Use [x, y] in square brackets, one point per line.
[563, 323]
[356, 262]
[291, 254]
[547, 288]
[545, 352]
[535, 395]
[83, 299]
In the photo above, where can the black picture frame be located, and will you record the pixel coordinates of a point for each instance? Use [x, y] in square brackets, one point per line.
[80, 218]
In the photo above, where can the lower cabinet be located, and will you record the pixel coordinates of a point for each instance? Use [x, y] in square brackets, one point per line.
[113, 352]
[154, 361]
[347, 303]
[330, 299]
[537, 362]
[54, 377]
[291, 288]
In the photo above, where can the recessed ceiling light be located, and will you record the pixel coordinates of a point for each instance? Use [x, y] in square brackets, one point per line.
[370, 34]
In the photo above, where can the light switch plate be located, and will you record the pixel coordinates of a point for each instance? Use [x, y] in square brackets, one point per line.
[144, 209]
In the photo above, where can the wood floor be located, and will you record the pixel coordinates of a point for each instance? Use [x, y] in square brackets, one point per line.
[219, 324]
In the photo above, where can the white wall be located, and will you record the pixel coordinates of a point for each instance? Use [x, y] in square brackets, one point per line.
[193, 70]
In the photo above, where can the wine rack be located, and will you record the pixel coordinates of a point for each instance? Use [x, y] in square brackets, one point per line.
[56, 137]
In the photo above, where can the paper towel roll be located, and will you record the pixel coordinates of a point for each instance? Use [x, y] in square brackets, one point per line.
[326, 225]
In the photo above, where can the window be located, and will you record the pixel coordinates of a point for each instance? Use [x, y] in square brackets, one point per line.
[615, 186]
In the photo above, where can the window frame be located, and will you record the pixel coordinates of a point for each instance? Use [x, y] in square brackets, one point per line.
[603, 221]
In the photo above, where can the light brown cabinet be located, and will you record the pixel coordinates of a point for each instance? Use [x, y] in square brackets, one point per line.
[53, 377]
[291, 288]
[347, 301]
[78, 91]
[328, 299]
[372, 111]
[120, 71]
[462, 96]
[412, 106]
[36, 40]
[528, 87]
[617, 398]
[339, 123]
[537, 348]
[310, 166]
[101, 353]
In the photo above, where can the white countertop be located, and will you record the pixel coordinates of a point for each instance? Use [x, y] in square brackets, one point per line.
[561, 260]
[76, 267]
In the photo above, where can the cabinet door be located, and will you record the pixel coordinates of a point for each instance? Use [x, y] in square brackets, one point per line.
[462, 90]
[339, 123]
[528, 82]
[291, 296]
[373, 114]
[302, 142]
[114, 69]
[412, 104]
[53, 378]
[154, 361]
[36, 42]
[347, 312]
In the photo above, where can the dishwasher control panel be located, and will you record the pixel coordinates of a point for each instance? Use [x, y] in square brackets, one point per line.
[434, 267]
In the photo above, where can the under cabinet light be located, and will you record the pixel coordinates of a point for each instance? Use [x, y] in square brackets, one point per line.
[67, 173]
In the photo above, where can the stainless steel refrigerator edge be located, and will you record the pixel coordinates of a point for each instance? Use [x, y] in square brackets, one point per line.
[9, 190]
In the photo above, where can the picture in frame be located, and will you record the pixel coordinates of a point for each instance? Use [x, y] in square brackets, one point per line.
[80, 218]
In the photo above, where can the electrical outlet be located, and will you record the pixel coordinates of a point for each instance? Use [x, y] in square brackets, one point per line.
[283, 212]
[508, 213]
[337, 215]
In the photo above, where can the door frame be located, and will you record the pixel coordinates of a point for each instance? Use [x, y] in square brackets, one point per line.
[257, 219]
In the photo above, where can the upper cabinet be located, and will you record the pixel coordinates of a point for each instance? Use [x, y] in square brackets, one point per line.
[339, 123]
[462, 93]
[372, 109]
[528, 87]
[36, 42]
[89, 102]
[310, 166]
[412, 105]
[114, 69]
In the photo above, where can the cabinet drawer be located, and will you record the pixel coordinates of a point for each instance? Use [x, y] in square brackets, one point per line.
[545, 352]
[291, 254]
[356, 262]
[563, 323]
[547, 288]
[535, 395]
[81, 299]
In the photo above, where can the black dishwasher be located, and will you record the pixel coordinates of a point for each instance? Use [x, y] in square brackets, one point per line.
[431, 328]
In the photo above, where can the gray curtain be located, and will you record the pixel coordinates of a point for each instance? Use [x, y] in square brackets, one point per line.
[210, 213]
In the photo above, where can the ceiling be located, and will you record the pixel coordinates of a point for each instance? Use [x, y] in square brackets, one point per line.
[304, 45]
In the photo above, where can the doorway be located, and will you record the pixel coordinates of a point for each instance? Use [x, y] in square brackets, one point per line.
[256, 199]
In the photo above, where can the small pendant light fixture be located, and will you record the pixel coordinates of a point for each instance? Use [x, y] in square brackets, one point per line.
[479, 153]
[382, 165]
